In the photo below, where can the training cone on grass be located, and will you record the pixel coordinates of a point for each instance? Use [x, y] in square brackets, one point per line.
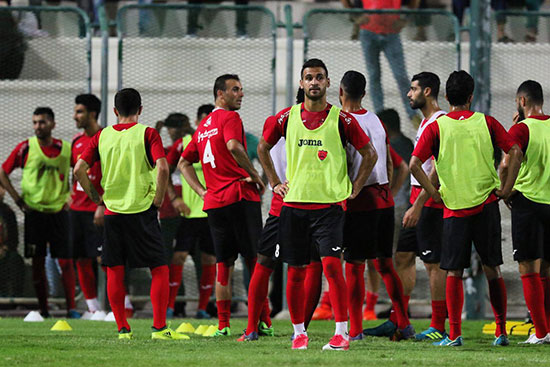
[185, 328]
[99, 316]
[33, 316]
[110, 317]
[86, 316]
[201, 329]
[210, 331]
[61, 325]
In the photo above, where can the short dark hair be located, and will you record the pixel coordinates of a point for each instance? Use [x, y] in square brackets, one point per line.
[176, 119]
[390, 118]
[44, 111]
[219, 84]
[354, 83]
[127, 102]
[205, 109]
[428, 80]
[90, 101]
[313, 63]
[459, 87]
[532, 90]
[300, 96]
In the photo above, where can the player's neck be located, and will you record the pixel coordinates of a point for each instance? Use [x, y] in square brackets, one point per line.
[430, 108]
[534, 111]
[127, 119]
[92, 128]
[315, 106]
[351, 106]
[44, 142]
[465, 107]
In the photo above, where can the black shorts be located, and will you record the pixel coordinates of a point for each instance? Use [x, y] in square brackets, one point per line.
[235, 230]
[530, 229]
[369, 235]
[86, 237]
[424, 239]
[47, 228]
[194, 233]
[269, 239]
[482, 229]
[300, 228]
[134, 240]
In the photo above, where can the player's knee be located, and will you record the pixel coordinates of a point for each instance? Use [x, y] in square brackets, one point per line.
[179, 258]
[266, 261]
[296, 274]
[332, 267]
[383, 265]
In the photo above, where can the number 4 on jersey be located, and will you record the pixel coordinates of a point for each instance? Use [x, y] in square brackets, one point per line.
[208, 157]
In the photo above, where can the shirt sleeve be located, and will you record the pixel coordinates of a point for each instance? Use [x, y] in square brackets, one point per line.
[16, 158]
[91, 153]
[191, 152]
[429, 140]
[233, 128]
[396, 158]
[500, 136]
[520, 134]
[274, 126]
[153, 143]
[353, 131]
[174, 153]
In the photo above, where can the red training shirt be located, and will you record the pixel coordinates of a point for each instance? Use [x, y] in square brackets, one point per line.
[520, 132]
[79, 200]
[18, 156]
[222, 174]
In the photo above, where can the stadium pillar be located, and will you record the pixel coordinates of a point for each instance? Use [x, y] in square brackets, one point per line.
[480, 53]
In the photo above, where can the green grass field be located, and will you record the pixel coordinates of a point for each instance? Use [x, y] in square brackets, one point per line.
[93, 343]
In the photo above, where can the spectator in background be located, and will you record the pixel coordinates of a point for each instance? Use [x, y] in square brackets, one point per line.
[459, 6]
[11, 263]
[12, 45]
[193, 25]
[380, 33]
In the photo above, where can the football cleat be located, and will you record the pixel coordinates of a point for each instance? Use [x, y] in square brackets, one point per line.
[226, 331]
[532, 339]
[202, 314]
[337, 342]
[323, 312]
[356, 337]
[264, 330]
[431, 333]
[501, 340]
[447, 342]
[125, 334]
[385, 329]
[168, 334]
[248, 338]
[300, 342]
[73, 314]
[403, 334]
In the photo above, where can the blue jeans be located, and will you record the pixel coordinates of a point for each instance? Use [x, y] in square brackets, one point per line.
[390, 44]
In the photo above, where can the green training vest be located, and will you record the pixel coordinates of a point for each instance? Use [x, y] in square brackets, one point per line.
[45, 181]
[316, 161]
[189, 196]
[465, 163]
[127, 181]
[534, 174]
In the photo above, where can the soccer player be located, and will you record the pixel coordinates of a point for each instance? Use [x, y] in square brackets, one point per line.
[318, 186]
[422, 229]
[368, 228]
[128, 153]
[233, 187]
[46, 163]
[463, 143]
[193, 229]
[85, 216]
[530, 204]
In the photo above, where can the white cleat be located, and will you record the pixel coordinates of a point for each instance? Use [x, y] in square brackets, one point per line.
[534, 340]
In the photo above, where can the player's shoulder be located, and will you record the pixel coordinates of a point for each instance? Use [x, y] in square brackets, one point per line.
[78, 136]
[347, 117]
[282, 115]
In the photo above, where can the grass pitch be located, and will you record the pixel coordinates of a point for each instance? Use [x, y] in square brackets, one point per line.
[95, 343]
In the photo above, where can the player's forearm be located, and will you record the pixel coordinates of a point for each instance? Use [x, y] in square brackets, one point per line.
[415, 166]
[81, 174]
[241, 157]
[516, 156]
[6, 182]
[423, 197]
[267, 163]
[163, 172]
[402, 173]
[189, 174]
[367, 164]
[503, 168]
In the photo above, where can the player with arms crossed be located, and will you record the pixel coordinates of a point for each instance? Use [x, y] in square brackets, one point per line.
[128, 153]
[318, 185]
[233, 187]
[463, 144]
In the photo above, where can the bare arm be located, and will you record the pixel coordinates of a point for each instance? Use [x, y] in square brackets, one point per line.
[239, 153]
[512, 168]
[81, 174]
[415, 166]
[367, 164]
[177, 201]
[6, 183]
[279, 187]
[163, 171]
[412, 215]
[389, 165]
[399, 179]
[188, 172]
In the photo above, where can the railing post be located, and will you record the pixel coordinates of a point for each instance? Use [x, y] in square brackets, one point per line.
[480, 54]
[104, 28]
[289, 55]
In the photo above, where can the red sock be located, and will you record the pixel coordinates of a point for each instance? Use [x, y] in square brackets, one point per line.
[40, 282]
[116, 292]
[337, 288]
[206, 284]
[534, 298]
[439, 314]
[257, 296]
[455, 301]
[325, 299]
[160, 291]
[371, 300]
[68, 278]
[295, 293]
[355, 282]
[546, 289]
[395, 290]
[265, 315]
[86, 278]
[313, 285]
[175, 276]
[224, 313]
[497, 295]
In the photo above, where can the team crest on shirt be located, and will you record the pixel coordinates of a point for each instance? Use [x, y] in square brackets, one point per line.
[322, 154]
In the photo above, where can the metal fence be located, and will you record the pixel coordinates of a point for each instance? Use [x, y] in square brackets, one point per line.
[45, 61]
